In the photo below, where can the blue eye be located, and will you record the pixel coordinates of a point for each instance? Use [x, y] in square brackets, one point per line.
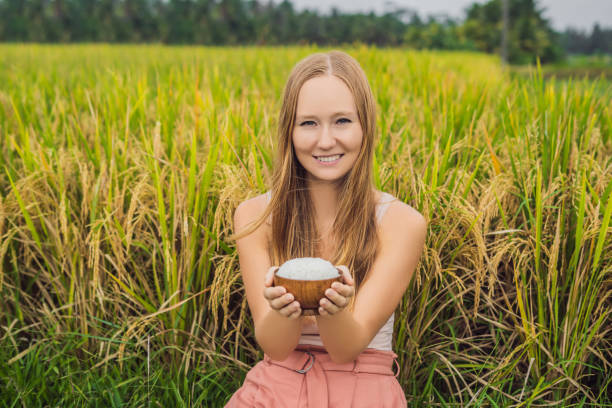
[307, 123]
[345, 119]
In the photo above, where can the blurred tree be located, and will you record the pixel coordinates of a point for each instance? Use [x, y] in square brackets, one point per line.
[180, 22]
[15, 18]
[529, 36]
[599, 41]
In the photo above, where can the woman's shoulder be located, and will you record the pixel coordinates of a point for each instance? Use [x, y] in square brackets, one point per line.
[253, 206]
[250, 210]
[399, 215]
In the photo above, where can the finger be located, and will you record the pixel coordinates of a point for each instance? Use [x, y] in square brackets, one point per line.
[290, 309]
[274, 292]
[329, 306]
[297, 311]
[338, 299]
[282, 301]
[279, 302]
[344, 290]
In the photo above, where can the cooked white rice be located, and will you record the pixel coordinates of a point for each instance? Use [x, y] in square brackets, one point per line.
[307, 269]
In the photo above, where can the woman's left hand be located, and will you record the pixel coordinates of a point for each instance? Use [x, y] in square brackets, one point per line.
[338, 296]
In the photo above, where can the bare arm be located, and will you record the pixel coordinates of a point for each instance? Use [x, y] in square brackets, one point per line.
[346, 333]
[276, 319]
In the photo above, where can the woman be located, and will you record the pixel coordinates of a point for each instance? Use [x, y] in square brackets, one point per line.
[323, 204]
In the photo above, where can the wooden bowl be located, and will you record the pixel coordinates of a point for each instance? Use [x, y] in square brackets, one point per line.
[307, 292]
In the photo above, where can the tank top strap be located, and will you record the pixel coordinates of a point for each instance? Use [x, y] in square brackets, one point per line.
[268, 196]
[383, 205]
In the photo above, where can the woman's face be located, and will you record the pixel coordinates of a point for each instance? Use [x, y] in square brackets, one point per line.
[327, 135]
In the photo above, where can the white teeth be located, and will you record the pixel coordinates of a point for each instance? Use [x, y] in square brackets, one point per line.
[328, 158]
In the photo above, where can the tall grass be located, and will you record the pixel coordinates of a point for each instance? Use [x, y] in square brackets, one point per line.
[121, 166]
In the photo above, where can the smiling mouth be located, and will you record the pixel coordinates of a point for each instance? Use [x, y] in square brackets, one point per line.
[328, 158]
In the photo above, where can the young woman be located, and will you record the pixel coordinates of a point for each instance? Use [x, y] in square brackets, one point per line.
[323, 204]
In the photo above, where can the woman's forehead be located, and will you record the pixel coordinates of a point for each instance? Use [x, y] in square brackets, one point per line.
[325, 95]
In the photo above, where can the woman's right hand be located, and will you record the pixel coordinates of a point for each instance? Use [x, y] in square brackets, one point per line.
[279, 299]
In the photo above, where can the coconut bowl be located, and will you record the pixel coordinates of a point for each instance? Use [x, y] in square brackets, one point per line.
[307, 292]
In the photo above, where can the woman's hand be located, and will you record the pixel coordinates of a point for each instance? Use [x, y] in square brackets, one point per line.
[338, 296]
[279, 299]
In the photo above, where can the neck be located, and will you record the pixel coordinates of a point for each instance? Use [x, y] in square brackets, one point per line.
[325, 199]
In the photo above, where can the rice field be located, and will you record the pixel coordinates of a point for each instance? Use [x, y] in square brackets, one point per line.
[121, 166]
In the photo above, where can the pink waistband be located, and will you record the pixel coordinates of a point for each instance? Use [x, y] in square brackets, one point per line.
[313, 360]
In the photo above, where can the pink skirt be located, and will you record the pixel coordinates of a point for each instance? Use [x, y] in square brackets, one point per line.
[308, 378]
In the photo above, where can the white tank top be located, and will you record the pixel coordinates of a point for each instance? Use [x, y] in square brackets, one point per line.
[382, 340]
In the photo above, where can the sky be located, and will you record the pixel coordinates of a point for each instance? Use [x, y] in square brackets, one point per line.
[580, 14]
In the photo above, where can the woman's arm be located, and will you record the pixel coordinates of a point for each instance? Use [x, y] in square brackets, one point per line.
[346, 334]
[276, 334]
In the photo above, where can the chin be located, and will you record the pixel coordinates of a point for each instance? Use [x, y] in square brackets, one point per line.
[322, 179]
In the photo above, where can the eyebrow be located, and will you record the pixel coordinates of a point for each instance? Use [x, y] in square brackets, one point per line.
[302, 117]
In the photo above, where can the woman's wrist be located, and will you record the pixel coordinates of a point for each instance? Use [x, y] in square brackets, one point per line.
[277, 335]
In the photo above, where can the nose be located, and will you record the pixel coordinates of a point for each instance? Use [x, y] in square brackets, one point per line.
[326, 138]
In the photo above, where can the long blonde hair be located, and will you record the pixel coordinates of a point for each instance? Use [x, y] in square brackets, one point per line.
[294, 233]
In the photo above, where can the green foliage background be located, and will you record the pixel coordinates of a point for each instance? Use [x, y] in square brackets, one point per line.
[257, 22]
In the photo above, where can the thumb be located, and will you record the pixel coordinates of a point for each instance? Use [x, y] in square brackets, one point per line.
[346, 274]
[270, 276]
